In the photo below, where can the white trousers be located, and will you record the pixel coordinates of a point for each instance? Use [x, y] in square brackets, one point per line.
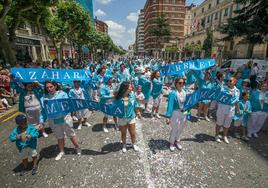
[256, 121]
[177, 122]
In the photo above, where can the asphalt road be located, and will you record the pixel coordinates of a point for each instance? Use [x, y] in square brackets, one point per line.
[201, 163]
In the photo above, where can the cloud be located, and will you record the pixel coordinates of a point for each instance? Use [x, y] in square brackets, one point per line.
[99, 13]
[119, 33]
[104, 1]
[133, 16]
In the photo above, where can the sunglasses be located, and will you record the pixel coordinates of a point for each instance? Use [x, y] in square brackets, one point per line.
[181, 83]
[230, 80]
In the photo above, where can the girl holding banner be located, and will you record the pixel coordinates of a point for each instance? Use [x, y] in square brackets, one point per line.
[175, 113]
[78, 93]
[106, 97]
[61, 125]
[126, 97]
[156, 93]
[259, 102]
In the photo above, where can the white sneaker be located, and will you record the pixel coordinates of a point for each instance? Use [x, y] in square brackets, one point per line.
[255, 135]
[249, 135]
[75, 118]
[87, 124]
[45, 135]
[78, 151]
[157, 116]
[207, 119]
[225, 139]
[124, 149]
[178, 145]
[172, 148]
[105, 129]
[79, 127]
[198, 118]
[59, 156]
[136, 148]
[217, 138]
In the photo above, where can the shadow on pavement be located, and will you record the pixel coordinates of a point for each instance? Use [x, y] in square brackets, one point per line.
[200, 138]
[160, 144]
[111, 147]
[98, 127]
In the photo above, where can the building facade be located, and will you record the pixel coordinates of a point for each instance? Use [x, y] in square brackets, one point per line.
[174, 10]
[140, 34]
[100, 26]
[211, 14]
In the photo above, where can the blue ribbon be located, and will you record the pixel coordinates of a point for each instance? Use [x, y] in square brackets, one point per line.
[27, 75]
[178, 69]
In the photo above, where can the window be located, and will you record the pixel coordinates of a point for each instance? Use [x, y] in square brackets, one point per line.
[226, 12]
[238, 6]
[208, 19]
[209, 6]
[203, 10]
[216, 16]
[218, 1]
[195, 14]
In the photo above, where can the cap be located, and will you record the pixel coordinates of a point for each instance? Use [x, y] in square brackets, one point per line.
[20, 118]
[246, 80]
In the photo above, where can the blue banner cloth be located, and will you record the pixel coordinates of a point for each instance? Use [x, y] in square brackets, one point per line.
[27, 75]
[178, 69]
[61, 107]
[207, 94]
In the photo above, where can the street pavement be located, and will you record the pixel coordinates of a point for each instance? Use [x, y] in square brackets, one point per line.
[201, 163]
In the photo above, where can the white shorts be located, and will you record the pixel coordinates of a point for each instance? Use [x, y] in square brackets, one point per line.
[28, 152]
[123, 122]
[224, 120]
[62, 129]
[157, 101]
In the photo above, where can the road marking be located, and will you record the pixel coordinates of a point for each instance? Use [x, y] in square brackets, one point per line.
[9, 118]
[143, 156]
[8, 112]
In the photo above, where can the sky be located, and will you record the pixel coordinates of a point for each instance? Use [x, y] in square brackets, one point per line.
[121, 17]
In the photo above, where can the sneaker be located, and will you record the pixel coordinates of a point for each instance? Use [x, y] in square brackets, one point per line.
[178, 145]
[78, 151]
[220, 136]
[198, 118]
[124, 149]
[59, 156]
[225, 139]
[87, 124]
[245, 138]
[157, 116]
[79, 127]
[249, 135]
[217, 138]
[75, 118]
[207, 119]
[255, 135]
[172, 148]
[105, 129]
[45, 135]
[136, 148]
[34, 170]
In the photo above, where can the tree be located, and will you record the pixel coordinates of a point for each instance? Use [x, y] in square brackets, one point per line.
[161, 31]
[207, 46]
[251, 23]
[13, 13]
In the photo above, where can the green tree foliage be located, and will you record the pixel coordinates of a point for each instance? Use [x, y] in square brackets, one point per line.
[207, 46]
[250, 23]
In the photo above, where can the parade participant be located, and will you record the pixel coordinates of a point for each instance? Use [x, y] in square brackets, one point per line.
[203, 83]
[245, 71]
[245, 87]
[241, 119]
[25, 136]
[106, 97]
[140, 100]
[30, 104]
[259, 102]
[62, 125]
[123, 74]
[146, 89]
[156, 93]
[225, 113]
[82, 115]
[176, 115]
[97, 81]
[239, 79]
[266, 78]
[126, 97]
